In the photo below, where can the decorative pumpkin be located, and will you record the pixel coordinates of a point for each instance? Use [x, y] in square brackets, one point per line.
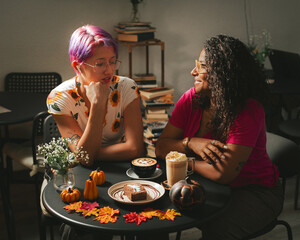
[186, 194]
[98, 176]
[90, 191]
[70, 195]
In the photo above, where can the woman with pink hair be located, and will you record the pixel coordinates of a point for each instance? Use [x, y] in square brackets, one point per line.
[96, 107]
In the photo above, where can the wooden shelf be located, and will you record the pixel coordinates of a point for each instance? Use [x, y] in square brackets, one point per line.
[146, 44]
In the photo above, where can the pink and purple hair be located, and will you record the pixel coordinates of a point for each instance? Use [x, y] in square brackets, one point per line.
[84, 40]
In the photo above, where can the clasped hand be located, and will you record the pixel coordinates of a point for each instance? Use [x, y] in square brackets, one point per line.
[211, 151]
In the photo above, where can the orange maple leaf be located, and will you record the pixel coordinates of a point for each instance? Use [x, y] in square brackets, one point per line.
[73, 206]
[149, 213]
[88, 213]
[168, 215]
[106, 218]
[108, 211]
[107, 214]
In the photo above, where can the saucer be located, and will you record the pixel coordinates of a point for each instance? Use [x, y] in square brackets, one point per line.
[130, 173]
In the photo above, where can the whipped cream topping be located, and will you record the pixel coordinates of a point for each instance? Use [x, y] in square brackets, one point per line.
[176, 156]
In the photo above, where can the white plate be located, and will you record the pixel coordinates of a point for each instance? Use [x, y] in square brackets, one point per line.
[154, 192]
[130, 173]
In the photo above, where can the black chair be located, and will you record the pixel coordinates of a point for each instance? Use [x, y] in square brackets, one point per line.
[44, 129]
[287, 77]
[285, 154]
[50, 131]
[291, 129]
[35, 82]
[42, 82]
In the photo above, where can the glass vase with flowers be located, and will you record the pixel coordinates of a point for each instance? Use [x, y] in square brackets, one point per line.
[61, 160]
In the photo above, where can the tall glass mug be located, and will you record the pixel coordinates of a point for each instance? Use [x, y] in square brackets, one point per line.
[177, 167]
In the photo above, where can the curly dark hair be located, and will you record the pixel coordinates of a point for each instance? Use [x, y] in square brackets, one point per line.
[233, 76]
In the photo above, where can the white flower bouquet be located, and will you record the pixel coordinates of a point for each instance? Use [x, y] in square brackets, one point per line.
[58, 155]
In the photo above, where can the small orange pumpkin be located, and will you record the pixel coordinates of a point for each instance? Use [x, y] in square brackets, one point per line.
[90, 191]
[70, 195]
[98, 176]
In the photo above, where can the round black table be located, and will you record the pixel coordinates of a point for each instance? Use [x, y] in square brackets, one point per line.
[23, 107]
[217, 198]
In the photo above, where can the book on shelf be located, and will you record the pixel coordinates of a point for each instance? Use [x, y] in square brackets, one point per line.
[163, 116]
[135, 37]
[151, 152]
[156, 110]
[146, 86]
[145, 82]
[132, 31]
[157, 126]
[156, 103]
[147, 121]
[123, 24]
[144, 77]
[156, 92]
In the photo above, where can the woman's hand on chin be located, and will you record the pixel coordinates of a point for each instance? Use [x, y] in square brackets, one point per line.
[97, 93]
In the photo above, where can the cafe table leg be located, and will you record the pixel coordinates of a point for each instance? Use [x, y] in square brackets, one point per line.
[8, 212]
[127, 237]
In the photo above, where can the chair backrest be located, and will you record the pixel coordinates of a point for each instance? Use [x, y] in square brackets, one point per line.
[42, 82]
[50, 129]
[284, 153]
[285, 64]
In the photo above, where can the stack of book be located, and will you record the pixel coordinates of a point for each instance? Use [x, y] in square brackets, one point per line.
[151, 134]
[134, 31]
[145, 81]
[156, 102]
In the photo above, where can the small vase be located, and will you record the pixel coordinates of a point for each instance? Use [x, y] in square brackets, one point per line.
[135, 15]
[63, 181]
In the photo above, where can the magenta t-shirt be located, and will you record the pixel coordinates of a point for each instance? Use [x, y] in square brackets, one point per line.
[248, 129]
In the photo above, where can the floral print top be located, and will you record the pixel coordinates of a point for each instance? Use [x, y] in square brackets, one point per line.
[65, 100]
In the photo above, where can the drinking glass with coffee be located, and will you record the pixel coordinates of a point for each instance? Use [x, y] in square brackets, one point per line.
[144, 167]
[177, 167]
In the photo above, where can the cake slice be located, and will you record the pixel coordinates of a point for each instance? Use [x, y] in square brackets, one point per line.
[135, 191]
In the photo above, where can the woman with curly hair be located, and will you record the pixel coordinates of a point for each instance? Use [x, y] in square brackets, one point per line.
[221, 122]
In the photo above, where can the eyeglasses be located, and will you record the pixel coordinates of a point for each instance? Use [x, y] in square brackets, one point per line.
[200, 67]
[101, 65]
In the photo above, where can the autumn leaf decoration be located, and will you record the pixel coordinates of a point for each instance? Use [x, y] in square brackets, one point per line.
[134, 217]
[168, 215]
[87, 209]
[148, 213]
[73, 206]
[107, 214]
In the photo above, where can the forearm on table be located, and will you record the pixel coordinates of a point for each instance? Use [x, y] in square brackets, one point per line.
[121, 152]
[92, 136]
[214, 172]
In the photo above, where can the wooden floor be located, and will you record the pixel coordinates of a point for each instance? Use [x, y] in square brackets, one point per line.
[26, 224]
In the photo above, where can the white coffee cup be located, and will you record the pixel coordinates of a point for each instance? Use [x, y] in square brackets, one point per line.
[177, 167]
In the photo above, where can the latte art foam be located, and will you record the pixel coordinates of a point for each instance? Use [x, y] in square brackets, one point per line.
[142, 162]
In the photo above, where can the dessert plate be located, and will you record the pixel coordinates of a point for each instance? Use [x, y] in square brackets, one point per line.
[154, 192]
[130, 173]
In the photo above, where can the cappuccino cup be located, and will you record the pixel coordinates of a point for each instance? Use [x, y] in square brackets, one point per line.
[144, 167]
[177, 167]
